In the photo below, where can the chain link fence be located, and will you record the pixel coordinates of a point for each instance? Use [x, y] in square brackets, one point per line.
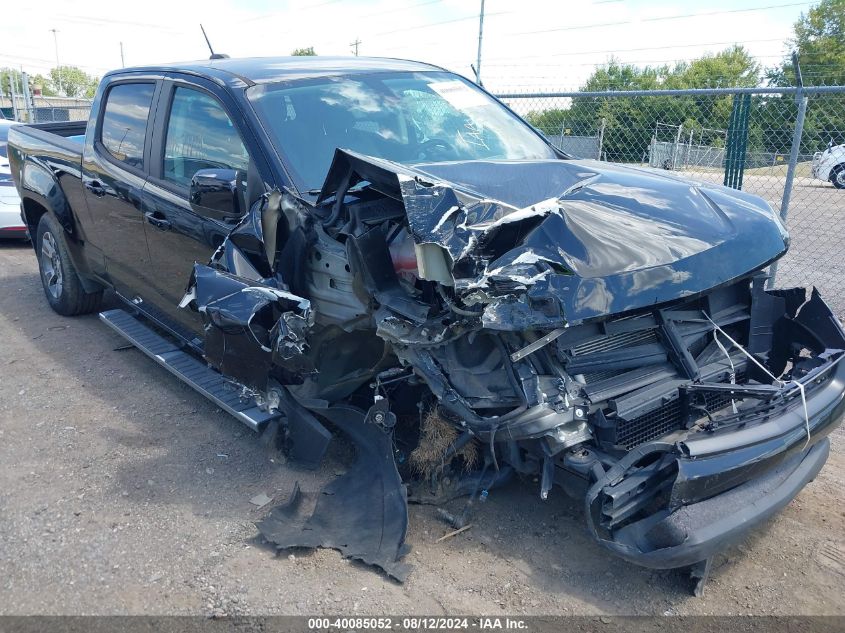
[44, 109]
[751, 139]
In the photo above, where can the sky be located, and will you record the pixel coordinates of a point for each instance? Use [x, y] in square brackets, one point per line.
[528, 45]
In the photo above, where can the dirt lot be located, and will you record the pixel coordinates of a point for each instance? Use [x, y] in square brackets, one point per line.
[122, 491]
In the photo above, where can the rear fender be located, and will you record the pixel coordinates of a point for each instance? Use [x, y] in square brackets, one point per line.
[40, 185]
[42, 193]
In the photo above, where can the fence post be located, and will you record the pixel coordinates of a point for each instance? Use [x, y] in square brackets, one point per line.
[14, 94]
[601, 137]
[689, 149]
[675, 147]
[737, 141]
[801, 100]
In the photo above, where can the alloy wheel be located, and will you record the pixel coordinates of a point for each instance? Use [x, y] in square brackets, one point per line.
[51, 265]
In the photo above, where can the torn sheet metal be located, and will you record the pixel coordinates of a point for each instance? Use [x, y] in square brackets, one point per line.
[363, 513]
[251, 328]
[607, 240]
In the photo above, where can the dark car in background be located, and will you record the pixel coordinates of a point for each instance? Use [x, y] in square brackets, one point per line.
[381, 249]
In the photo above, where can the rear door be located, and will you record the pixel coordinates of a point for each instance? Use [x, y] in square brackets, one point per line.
[113, 177]
[195, 130]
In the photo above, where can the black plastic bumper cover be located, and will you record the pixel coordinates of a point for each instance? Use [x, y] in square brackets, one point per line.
[773, 471]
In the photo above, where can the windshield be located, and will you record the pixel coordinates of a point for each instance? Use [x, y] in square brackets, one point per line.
[404, 117]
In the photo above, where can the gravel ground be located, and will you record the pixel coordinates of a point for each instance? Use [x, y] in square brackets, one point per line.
[124, 492]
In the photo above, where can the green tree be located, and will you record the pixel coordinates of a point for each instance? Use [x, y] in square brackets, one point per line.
[5, 85]
[632, 122]
[74, 82]
[819, 38]
[303, 52]
[47, 87]
[34, 81]
[733, 67]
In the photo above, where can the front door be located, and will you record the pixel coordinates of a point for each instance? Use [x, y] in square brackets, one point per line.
[197, 134]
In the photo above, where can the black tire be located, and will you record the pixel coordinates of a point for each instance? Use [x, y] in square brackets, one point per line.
[61, 283]
[837, 176]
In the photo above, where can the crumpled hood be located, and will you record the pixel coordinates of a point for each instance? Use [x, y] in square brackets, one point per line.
[561, 241]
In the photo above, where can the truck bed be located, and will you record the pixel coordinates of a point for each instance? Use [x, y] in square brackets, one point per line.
[68, 135]
[48, 157]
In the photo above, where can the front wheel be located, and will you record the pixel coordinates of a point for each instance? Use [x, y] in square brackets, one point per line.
[837, 176]
[61, 283]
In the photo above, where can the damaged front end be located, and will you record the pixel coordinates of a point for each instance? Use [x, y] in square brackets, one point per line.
[603, 329]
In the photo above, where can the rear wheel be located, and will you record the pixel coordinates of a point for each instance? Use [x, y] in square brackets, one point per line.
[837, 176]
[59, 278]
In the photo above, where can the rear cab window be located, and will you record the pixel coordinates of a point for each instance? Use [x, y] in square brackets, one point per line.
[124, 124]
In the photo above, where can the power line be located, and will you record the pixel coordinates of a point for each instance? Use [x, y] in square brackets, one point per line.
[95, 20]
[633, 50]
[605, 63]
[452, 21]
[400, 9]
[264, 16]
[659, 19]
[38, 62]
[421, 26]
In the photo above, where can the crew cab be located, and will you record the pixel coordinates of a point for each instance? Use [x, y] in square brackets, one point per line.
[380, 248]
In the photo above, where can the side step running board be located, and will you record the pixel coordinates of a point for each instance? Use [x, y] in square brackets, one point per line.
[187, 368]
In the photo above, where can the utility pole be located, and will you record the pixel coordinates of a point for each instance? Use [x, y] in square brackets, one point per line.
[480, 36]
[801, 101]
[28, 103]
[355, 44]
[58, 66]
[122, 63]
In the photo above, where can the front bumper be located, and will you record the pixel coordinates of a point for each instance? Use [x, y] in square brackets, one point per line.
[722, 485]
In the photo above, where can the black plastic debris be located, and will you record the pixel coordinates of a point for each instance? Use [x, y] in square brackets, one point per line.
[363, 513]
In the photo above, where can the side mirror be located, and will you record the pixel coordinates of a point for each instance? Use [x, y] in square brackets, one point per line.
[215, 193]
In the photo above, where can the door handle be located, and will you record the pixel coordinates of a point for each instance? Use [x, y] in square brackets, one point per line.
[96, 187]
[157, 220]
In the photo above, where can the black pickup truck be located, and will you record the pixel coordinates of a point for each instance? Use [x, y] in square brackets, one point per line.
[382, 249]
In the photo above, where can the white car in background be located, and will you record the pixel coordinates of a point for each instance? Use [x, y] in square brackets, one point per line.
[11, 224]
[830, 165]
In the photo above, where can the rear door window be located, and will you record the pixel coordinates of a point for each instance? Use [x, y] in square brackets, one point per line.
[124, 126]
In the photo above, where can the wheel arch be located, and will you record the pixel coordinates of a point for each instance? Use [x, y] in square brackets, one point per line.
[32, 212]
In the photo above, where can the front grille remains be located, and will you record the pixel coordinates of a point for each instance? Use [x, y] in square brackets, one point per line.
[615, 341]
[608, 344]
[658, 422]
[649, 426]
